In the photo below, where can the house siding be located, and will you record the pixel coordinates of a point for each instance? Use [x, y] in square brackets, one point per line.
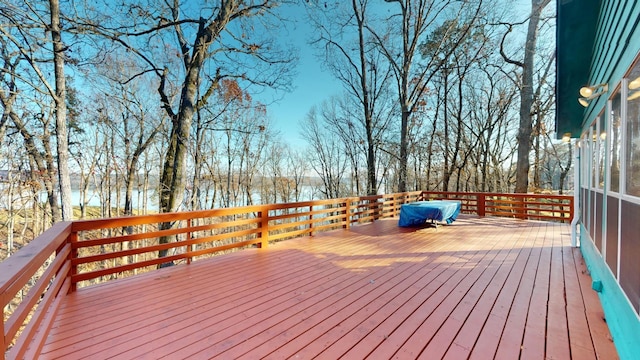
[610, 223]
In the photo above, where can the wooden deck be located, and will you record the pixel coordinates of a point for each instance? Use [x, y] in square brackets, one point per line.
[480, 288]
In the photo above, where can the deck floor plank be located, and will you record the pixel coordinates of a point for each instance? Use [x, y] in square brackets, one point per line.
[533, 343]
[445, 311]
[473, 310]
[557, 327]
[581, 344]
[511, 341]
[479, 288]
[470, 331]
[332, 328]
[286, 315]
[404, 322]
[600, 334]
[374, 329]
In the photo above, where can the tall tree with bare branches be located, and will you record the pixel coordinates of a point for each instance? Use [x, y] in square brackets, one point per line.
[362, 69]
[24, 28]
[525, 128]
[400, 44]
[226, 39]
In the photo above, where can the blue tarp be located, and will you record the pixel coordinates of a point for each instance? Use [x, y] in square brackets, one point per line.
[418, 212]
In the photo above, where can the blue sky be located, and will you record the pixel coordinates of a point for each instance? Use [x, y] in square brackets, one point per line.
[311, 85]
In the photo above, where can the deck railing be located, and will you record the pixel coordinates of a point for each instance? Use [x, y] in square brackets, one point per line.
[520, 206]
[69, 255]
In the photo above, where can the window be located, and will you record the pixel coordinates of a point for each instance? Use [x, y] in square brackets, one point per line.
[632, 142]
[614, 137]
[593, 153]
[600, 139]
[584, 166]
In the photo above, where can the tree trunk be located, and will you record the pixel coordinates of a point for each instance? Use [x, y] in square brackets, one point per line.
[61, 113]
[173, 172]
[526, 98]
[565, 171]
[446, 174]
[372, 183]
[402, 171]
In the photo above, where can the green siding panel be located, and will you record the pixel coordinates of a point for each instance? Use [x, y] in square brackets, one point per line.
[622, 320]
[616, 46]
[611, 44]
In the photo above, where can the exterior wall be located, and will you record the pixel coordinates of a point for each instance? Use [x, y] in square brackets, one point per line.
[618, 313]
[610, 176]
[630, 253]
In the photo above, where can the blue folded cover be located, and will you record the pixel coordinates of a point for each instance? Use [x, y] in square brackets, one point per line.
[418, 212]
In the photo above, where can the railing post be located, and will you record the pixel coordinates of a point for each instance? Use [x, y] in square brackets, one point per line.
[189, 246]
[571, 210]
[522, 212]
[264, 229]
[3, 344]
[395, 205]
[73, 254]
[481, 205]
[310, 220]
[347, 216]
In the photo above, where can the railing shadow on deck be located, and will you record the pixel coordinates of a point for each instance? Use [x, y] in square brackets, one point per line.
[86, 252]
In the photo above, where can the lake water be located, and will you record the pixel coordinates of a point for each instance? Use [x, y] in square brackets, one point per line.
[93, 198]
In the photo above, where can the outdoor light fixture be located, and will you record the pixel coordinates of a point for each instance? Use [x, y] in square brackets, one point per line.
[566, 137]
[591, 92]
[583, 102]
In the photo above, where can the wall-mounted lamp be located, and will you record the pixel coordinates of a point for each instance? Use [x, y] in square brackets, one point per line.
[594, 90]
[566, 137]
[591, 92]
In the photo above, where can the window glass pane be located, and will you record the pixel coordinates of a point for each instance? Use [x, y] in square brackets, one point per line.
[602, 134]
[632, 139]
[593, 152]
[614, 138]
[585, 161]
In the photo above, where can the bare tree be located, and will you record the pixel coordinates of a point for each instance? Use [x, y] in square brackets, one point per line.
[411, 21]
[360, 68]
[526, 93]
[212, 42]
[134, 119]
[325, 155]
[470, 46]
[24, 29]
[60, 99]
[297, 170]
[223, 40]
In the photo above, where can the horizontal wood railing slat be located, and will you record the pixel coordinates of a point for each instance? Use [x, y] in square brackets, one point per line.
[222, 248]
[122, 268]
[13, 324]
[35, 346]
[43, 314]
[21, 266]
